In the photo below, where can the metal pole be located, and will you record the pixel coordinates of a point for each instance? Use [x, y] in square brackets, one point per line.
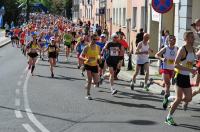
[99, 12]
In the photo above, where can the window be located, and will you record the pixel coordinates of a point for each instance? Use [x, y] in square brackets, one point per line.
[113, 15]
[120, 16]
[124, 17]
[134, 17]
[142, 17]
[116, 21]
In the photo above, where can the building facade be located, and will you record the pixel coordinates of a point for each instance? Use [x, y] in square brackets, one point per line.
[131, 15]
[75, 10]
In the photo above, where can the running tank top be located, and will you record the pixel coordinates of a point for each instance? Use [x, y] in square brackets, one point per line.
[92, 55]
[187, 62]
[170, 55]
[52, 48]
[143, 58]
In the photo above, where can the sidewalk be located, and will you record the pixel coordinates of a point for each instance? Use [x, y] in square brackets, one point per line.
[154, 89]
[3, 40]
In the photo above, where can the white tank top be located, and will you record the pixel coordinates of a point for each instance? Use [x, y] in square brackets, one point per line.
[142, 58]
[170, 55]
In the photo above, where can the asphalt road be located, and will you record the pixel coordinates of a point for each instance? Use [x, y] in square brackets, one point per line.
[40, 103]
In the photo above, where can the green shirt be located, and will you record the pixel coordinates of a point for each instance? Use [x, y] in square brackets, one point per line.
[68, 38]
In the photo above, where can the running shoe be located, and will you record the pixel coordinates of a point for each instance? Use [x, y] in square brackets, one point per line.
[52, 75]
[150, 82]
[146, 88]
[170, 121]
[132, 85]
[165, 103]
[114, 92]
[88, 97]
[82, 74]
[101, 80]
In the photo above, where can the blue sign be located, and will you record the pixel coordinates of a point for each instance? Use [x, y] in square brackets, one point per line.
[1, 21]
[162, 6]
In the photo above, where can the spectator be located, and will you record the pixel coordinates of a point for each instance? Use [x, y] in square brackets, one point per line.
[139, 38]
[7, 28]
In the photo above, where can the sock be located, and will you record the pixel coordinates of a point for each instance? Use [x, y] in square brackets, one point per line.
[171, 98]
[111, 88]
[169, 116]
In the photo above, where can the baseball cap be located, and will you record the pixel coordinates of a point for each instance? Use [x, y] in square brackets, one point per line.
[114, 35]
[103, 35]
[52, 38]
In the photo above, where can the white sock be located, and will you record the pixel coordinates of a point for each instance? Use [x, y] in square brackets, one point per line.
[169, 116]
[171, 98]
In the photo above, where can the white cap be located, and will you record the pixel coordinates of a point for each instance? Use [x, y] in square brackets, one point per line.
[52, 38]
[114, 35]
[103, 35]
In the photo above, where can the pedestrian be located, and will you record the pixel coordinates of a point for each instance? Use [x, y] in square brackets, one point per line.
[33, 47]
[52, 54]
[7, 29]
[139, 38]
[112, 50]
[184, 66]
[90, 56]
[142, 58]
[167, 56]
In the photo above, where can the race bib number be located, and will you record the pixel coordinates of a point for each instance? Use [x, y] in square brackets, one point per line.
[114, 51]
[189, 64]
[170, 61]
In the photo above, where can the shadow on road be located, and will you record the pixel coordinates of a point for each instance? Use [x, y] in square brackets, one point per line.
[126, 104]
[81, 120]
[59, 66]
[189, 126]
[60, 77]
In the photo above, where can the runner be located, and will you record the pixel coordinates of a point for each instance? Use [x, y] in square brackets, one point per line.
[113, 50]
[79, 48]
[33, 47]
[52, 54]
[142, 53]
[90, 55]
[167, 56]
[101, 44]
[67, 42]
[184, 66]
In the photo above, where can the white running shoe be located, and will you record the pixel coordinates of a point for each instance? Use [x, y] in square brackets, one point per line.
[88, 97]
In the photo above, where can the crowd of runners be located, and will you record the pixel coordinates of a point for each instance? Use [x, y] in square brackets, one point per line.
[97, 53]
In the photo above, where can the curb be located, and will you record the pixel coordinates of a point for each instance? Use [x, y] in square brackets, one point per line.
[5, 43]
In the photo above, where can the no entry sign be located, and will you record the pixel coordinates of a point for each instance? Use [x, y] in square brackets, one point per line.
[162, 6]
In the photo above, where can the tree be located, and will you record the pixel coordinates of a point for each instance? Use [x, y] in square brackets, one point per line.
[11, 10]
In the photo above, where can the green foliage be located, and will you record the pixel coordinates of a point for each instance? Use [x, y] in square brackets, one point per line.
[12, 11]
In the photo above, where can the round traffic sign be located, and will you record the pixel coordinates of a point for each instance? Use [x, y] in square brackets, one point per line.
[162, 6]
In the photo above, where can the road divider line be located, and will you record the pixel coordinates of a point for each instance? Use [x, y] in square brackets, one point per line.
[17, 102]
[18, 114]
[29, 112]
[28, 128]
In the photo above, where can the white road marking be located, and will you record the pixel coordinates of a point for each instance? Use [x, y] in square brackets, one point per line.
[19, 83]
[28, 128]
[27, 107]
[17, 91]
[17, 102]
[18, 114]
